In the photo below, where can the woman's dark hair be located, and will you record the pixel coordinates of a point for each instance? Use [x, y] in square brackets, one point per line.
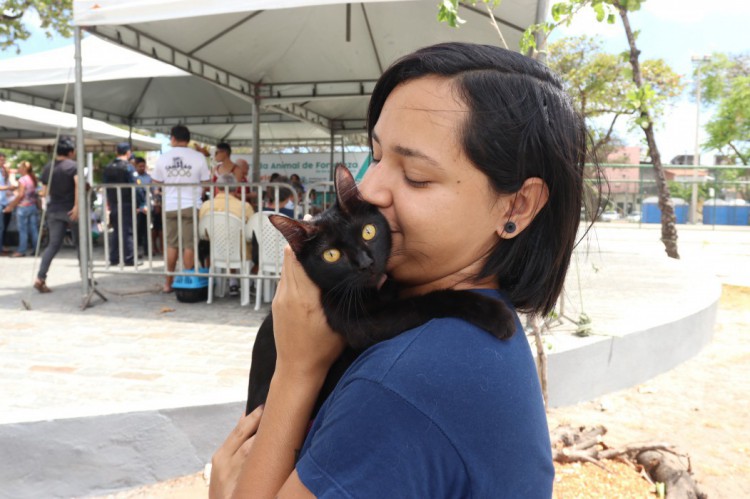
[521, 124]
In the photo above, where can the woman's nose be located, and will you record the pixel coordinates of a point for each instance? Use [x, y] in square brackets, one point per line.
[374, 186]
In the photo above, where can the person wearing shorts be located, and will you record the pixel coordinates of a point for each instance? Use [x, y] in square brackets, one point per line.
[180, 165]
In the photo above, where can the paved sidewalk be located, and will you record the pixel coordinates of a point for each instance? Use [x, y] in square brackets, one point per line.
[140, 350]
[144, 350]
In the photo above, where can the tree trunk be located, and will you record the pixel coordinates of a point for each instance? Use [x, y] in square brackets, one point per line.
[668, 219]
[541, 358]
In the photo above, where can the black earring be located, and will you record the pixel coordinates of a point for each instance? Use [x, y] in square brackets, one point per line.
[510, 227]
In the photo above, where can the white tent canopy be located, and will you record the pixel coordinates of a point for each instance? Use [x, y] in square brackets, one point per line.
[127, 88]
[33, 128]
[314, 60]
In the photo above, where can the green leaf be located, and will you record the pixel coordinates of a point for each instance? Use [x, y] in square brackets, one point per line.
[611, 19]
[599, 9]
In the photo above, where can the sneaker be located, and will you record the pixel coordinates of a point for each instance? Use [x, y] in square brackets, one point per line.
[234, 290]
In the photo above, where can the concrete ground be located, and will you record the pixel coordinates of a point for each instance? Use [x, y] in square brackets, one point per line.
[159, 367]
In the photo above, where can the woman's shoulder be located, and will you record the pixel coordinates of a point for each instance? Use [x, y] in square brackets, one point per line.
[445, 346]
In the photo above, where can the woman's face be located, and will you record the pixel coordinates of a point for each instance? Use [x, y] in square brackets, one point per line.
[443, 213]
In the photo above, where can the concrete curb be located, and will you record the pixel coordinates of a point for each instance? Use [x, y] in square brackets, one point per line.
[103, 454]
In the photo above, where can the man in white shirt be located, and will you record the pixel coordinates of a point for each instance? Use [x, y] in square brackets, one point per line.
[180, 165]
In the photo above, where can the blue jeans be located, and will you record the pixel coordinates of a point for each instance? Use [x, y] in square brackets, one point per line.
[57, 224]
[2, 226]
[27, 219]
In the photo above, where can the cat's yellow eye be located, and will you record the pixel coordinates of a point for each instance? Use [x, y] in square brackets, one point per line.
[331, 255]
[368, 232]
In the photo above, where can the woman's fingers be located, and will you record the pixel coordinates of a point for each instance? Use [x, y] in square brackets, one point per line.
[227, 461]
[246, 427]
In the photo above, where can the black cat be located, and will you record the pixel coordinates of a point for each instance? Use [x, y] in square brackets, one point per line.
[344, 251]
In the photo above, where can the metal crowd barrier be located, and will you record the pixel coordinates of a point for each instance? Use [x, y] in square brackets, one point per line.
[258, 195]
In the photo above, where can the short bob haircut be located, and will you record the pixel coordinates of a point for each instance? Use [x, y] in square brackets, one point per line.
[520, 124]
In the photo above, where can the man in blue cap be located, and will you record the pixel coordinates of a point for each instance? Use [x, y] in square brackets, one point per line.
[120, 171]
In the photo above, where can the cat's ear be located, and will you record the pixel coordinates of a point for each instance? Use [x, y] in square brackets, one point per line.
[347, 193]
[294, 231]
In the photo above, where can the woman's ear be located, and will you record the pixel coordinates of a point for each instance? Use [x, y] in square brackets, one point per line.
[523, 206]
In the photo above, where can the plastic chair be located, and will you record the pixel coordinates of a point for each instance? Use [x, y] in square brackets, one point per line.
[226, 251]
[270, 255]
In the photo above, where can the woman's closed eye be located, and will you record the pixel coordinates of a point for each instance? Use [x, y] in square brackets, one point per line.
[416, 183]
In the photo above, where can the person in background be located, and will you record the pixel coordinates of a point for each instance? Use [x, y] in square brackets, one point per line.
[4, 199]
[242, 174]
[284, 204]
[222, 204]
[297, 184]
[120, 171]
[224, 163]
[26, 205]
[180, 165]
[142, 203]
[60, 179]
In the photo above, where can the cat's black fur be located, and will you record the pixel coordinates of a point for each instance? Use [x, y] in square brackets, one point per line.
[352, 301]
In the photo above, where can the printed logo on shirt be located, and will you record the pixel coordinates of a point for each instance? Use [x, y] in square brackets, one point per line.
[178, 168]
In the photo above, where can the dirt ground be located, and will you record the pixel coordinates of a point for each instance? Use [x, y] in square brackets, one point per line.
[701, 407]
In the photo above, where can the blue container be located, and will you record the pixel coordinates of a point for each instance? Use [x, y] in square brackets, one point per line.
[191, 288]
[739, 214]
[715, 213]
[652, 213]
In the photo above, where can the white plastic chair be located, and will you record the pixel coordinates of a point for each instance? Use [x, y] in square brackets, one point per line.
[226, 251]
[270, 255]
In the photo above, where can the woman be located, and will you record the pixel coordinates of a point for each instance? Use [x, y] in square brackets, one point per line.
[5, 196]
[478, 167]
[27, 214]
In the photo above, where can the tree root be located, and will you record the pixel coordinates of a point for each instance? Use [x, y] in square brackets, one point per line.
[659, 460]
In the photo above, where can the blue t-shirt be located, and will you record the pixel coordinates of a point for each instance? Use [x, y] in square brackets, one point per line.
[443, 410]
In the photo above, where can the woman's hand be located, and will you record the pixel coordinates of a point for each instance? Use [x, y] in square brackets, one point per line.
[227, 462]
[305, 343]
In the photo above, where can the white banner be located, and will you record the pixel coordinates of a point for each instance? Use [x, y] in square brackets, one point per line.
[311, 167]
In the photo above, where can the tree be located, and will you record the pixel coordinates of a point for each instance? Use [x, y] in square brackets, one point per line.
[642, 99]
[600, 85]
[725, 81]
[55, 17]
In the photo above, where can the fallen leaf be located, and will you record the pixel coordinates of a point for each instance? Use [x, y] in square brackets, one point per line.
[166, 310]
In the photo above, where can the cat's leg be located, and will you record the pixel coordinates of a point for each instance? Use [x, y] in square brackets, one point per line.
[262, 366]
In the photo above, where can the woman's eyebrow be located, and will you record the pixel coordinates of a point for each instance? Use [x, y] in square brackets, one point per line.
[409, 152]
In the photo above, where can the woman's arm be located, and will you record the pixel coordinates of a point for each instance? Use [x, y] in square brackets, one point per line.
[19, 196]
[73, 214]
[306, 348]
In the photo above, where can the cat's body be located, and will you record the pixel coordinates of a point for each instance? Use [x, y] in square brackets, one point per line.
[344, 251]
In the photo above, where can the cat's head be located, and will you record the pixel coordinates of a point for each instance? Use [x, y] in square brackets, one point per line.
[346, 246]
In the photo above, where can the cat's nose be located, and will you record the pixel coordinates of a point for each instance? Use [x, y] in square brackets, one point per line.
[364, 260]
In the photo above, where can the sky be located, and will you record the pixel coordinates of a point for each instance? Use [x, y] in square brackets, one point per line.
[673, 30]
[676, 30]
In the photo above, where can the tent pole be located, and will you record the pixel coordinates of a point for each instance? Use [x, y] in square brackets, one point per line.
[542, 7]
[333, 166]
[83, 208]
[256, 140]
